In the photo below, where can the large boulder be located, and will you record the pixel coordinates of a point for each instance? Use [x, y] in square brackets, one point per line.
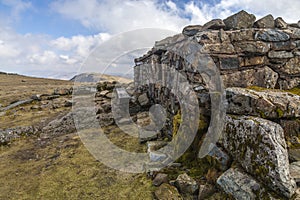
[259, 146]
[266, 104]
[240, 20]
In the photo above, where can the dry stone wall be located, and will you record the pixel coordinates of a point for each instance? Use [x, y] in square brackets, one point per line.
[261, 130]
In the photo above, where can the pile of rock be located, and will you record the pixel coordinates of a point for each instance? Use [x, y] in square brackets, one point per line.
[11, 134]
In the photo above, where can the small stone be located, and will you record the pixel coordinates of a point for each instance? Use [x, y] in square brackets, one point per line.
[35, 107]
[155, 145]
[103, 93]
[240, 185]
[295, 171]
[145, 135]
[36, 97]
[109, 95]
[191, 30]
[160, 179]
[222, 158]
[62, 91]
[296, 53]
[186, 184]
[280, 54]
[280, 23]
[68, 103]
[265, 22]
[206, 191]
[167, 192]
[294, 155]
[156, 156]
[143, 99]
[214, 24]
[240, 20]
[297, 194]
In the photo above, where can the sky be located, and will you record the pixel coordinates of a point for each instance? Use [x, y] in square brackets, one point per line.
[54, 38]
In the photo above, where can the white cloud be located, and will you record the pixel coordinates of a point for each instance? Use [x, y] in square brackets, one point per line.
[17, 7]
[41, 52]
[121, 15]
[82, 45]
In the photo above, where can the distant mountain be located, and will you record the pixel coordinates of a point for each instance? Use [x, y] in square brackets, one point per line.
[97, 77]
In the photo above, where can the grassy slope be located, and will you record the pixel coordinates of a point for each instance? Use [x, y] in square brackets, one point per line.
[61, 168]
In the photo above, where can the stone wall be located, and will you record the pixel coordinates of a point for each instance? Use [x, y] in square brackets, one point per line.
[260, 131]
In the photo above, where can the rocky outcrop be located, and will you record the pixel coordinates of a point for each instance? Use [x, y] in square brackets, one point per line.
[259, 146]
[8, 135]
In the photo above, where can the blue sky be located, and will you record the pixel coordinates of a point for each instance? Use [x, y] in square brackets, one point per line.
[52, 38]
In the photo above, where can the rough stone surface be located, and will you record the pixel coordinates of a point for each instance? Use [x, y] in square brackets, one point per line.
[280, 23]
[252, 61]
[191, 30]
[186, 184]
[240, 185]
[265, 22]
[143, 99]
[266, 104]
[60, 126]
[221, 157]
[297, 195]
[241, 35]
[8, 135]
[252, 47]
[214, 24]
[206, 191]
[240, 20]
[259, 146]
[263, 77]
[167, 192]
[272, 35]
[280, 54]
[292, 66]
